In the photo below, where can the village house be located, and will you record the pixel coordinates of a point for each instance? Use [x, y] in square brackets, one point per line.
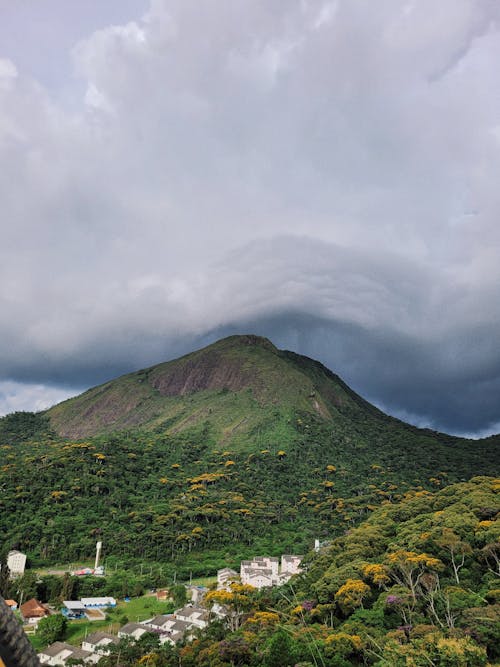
[133, 631]
[16, 562]
[162, 622]
[197, 593]
[59, 653]
[163, 595]
[99, 642]
[196, 616]
[169, 626]
[32, 611]
[179, 630]
[11, 604]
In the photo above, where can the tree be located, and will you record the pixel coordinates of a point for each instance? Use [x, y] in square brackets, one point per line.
[236, 602]
[350, 596]
[68, 585]
[377, 573]
[281, 650]
[407, 567]
[178, 595]
[27, 585]
[456, 549]
[234, 650]
[52, 628]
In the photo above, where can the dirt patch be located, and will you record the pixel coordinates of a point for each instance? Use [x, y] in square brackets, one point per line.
[95, 615]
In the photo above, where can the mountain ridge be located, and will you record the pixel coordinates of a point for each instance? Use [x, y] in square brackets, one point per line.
[182, 393]
[234, 365]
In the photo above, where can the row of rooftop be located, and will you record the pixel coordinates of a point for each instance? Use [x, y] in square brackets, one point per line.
[170, 628]
[260, 572]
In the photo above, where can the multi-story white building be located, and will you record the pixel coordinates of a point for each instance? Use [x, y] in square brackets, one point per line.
[290, 564]
[16, 562]
[225, 577]
[264, 571]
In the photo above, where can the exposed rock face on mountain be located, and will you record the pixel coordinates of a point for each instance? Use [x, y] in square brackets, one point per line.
[231, 384]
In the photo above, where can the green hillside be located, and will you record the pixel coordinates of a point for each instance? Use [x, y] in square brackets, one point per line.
[235, 449]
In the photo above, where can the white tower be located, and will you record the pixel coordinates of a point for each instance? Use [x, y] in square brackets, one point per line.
[97, 554]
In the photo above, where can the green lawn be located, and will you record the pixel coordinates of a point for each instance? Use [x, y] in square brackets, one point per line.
[139, 609]
[78, 630]
[204, 581]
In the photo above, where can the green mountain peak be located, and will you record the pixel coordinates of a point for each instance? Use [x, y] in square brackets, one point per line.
[234, 385]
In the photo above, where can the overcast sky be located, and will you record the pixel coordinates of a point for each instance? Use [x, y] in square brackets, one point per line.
[325, 173]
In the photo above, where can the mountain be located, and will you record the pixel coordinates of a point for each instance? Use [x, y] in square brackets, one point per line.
[235, 386]
[233, 450]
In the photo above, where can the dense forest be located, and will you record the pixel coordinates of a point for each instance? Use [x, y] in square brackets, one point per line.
[182, 501]
[416, 583]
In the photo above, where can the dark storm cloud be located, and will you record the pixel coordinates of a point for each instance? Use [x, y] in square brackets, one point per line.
[321, 172]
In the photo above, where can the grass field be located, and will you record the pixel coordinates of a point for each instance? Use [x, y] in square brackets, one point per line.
[204, 581]
[78, 630]
[142, 608]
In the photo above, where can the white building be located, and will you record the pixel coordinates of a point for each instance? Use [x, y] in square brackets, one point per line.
[59, 653]
[16, 562]
[264, 571]
[177, 631]
[225, 577]
[197, 593]
[258, 577]
[99, 642]
[290, 564]
[163, 622]
[98, 603]
[133, 630]
[196, 616]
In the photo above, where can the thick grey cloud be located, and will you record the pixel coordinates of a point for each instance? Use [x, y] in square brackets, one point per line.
[321, 172]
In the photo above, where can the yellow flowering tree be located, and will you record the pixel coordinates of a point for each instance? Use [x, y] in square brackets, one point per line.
[236, 602]
[406, 568]
[350, 596]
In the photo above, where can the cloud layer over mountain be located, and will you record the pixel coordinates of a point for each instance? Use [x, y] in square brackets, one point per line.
[320, 172]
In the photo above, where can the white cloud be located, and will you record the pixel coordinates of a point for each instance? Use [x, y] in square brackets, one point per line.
[7, 69]
[229, 161]
[16, 396]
